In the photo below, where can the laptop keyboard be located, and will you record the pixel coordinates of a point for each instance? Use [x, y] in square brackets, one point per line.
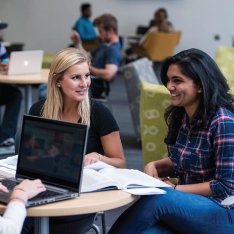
[46, 194]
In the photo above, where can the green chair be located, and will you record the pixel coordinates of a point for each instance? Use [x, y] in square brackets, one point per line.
[154, 99]
[47, 59]
[225, 60]
[134, 74]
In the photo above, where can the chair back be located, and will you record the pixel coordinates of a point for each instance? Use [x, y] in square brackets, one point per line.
[14, 47]
[225, 59]
[141, 30]
[158, 45]
[135, 73]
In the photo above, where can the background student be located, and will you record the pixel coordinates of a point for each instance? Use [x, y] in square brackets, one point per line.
[83, 25]
[11, 97]
[200, 143]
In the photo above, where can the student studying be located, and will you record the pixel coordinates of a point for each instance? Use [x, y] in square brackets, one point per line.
[200, 143]
[68, 100]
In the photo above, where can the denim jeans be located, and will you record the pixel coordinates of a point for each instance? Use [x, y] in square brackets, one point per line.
[10, 96]
[174, 212]
[42, 91]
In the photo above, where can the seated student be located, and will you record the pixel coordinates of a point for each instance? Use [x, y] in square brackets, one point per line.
[159, 24]
[10, 96]
[106, 58]
[13, 218]
[200, 143]
[162, 16]
[83, 25]
[68, 100]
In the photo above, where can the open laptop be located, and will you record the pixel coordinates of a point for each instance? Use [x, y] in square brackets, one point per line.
[25, 62]
[53, 151]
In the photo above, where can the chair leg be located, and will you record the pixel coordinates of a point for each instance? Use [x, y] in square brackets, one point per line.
[96, 229]
[102, 213]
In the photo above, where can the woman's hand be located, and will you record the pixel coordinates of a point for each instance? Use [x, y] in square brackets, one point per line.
[92, 158]
[31, 187]
[151, 170]
[3, 188]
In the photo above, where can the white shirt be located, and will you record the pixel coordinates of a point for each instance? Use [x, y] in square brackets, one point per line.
[13, 218]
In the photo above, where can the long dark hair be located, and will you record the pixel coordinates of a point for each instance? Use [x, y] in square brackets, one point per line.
[202, 69]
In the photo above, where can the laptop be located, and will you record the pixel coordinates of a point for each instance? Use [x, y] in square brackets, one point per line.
[53, 151]
[25, 62]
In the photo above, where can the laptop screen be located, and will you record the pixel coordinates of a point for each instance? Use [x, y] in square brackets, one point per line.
[52, 151]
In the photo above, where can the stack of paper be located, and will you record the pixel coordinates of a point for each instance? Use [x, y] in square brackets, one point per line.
[8, 166]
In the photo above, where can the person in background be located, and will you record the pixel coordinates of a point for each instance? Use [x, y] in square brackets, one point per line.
[83, 25]
[68, 100]
[11, 97]
[107, 57]
[13, 217]
[160, 19]
[200, 143]
[159, 24]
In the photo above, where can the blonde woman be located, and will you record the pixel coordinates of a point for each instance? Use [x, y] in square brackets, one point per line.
[68, 100]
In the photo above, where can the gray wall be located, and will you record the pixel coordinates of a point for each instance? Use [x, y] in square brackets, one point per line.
[46, 24]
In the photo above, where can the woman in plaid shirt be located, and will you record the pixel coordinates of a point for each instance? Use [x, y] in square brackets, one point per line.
[200, 143]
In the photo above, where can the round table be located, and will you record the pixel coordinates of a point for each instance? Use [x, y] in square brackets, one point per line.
[85, 204]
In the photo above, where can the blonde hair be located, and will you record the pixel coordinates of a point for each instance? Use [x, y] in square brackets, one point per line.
[54, 103]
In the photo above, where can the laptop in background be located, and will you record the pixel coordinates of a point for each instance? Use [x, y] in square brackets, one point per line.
[25, 62]
[53, 151]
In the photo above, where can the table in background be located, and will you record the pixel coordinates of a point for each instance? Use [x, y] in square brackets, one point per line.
[27, 80]
[85, 204]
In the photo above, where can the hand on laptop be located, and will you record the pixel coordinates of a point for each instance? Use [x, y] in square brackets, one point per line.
[3, 188]
[26, 190]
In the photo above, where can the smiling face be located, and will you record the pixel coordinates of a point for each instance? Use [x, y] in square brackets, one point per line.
[184, 92]
[75, 83]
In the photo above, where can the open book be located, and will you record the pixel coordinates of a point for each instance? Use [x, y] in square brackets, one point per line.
[101, 176]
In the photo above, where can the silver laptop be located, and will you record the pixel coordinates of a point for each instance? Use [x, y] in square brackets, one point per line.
[25, 62]
[52, 151]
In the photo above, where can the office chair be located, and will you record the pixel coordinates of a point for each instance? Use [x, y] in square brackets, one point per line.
[14, 47]
[74, 227]
[104, 98]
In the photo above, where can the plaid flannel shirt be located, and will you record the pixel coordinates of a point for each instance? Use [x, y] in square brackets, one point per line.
[207, 154]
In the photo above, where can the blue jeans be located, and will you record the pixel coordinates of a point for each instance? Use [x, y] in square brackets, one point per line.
[42, 90]
[10, 96]
[174, 212]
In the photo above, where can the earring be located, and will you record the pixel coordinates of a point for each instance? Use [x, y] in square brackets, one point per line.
[59, 85]
[199, 91]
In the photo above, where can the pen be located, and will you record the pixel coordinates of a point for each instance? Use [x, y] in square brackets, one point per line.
[166, 179]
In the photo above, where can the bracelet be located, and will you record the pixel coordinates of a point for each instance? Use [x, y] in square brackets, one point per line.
[99, 156]
[175, 187]
[25, 202]
[21, 190]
